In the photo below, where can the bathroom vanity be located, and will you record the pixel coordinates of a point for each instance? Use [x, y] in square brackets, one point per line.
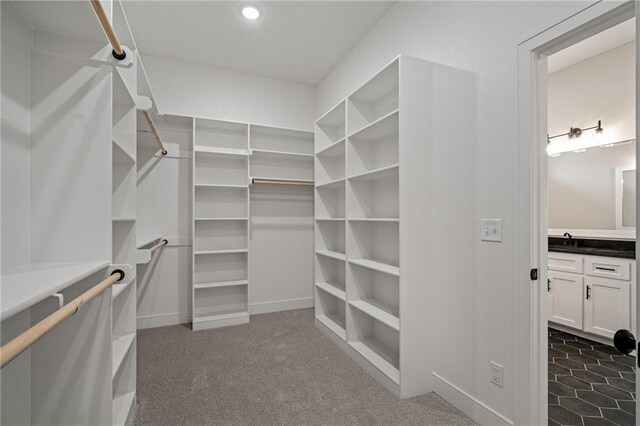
[591, 286]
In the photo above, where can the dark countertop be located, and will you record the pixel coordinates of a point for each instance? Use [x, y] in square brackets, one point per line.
[609, 248]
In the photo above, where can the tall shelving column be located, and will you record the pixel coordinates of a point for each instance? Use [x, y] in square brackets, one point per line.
[330, 247]
[220, 223]
[123, 304]
[394, 123]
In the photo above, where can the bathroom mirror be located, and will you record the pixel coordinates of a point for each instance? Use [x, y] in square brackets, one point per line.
[593, 189]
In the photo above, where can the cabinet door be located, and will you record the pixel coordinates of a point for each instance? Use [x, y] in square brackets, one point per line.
[607, 306]
[565, 300]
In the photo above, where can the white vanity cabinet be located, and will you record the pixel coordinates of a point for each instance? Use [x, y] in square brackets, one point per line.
[591, 293]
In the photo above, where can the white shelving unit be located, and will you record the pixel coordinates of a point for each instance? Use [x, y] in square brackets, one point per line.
[220, 225]
[373, 190]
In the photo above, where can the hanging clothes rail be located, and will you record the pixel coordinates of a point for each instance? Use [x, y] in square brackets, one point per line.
[154, 130]
[256, 181]
[118, 51]
[157, 246]
[21, 343]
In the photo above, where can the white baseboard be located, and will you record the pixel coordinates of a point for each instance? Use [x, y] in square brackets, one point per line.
[472, 407]
[163, 320]
[281, 305]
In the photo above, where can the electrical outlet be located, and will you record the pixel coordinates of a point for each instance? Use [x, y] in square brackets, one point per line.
[496, 374]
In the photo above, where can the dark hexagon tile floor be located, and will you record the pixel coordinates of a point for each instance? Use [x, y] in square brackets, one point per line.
[589, 383]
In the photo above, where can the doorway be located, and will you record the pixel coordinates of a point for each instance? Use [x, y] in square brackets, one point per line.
[568, 369]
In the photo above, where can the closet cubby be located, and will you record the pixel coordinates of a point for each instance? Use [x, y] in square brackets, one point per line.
[214, 170]
[220, 305]
[221, 137]
[267, 165]
[330, 201]
[392, 122]
[375, 147]
[274, 141]
[376, 99]
[330, 236]
[374, 242]
[220, 235]
[330, 164]
[330, 129]
[374, 195]
[331, 311]
[212, 202]
[124, 188]
[219, 268]
[378, 343]
[330, 276]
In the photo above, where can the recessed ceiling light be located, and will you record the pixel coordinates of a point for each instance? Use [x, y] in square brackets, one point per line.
[250, 13]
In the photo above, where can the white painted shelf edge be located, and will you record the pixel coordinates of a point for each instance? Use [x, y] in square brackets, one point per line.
[24, 286]
[121, 346]
[376, 313]
[373, 219]
[204, 252]
[220, 151]
[322, 219]
[124, 218]
[333, 290]
[323, 152]
[332, 254]
[380, 363]
[217, 284]
[279, 179]
[218, 185]
[377, 266]
[219, 218]
[122, 406]
[221, 317]
[336, 182]
[281, 153]
[333, 326]
[379, 173]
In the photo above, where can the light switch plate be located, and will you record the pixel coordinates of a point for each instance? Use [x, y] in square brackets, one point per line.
[491, 230]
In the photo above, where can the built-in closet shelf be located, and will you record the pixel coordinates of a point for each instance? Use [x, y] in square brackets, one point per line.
[220, 218]
[377, 266]
[332, 184]
[120, 154]
[203, 252]
[333, 290]
[24, 286]
[379, 362]
[117, 289]
[221, 151]
[384, 126]
[221, 317]
[332, 254]
[336, 149]
[122, 406]
[374, 219]
[380, 173]
[218, 185]
[282, 153]
[124, 218]
[378, 311]
[332, 324]
[121, 346]
[218, 284]
[329, 219]
[122, 93]
[279, 179]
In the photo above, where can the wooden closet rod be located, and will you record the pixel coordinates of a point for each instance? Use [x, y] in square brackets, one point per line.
[157, 246]
[154, 130]
[118, 52]
[21, 343]
[281, 182]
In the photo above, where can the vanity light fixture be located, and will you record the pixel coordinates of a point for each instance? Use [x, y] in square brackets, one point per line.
[250, 12]
[575, 132]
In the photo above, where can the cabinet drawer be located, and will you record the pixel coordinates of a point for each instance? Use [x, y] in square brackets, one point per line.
[606, 267]
[565, 262]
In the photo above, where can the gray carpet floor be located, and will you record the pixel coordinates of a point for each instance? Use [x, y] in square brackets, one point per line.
[277, 370]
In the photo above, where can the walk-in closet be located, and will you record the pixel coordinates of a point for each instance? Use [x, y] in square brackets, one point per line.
[310, 212]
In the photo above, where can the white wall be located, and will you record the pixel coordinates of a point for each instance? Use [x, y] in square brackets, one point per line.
[599, 88]
[194, 90]
[474, 316]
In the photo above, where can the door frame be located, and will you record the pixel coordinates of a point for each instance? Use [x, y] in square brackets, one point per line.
[530, 313]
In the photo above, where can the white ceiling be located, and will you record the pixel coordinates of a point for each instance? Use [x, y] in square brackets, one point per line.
[298, 41]
[592, 46]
